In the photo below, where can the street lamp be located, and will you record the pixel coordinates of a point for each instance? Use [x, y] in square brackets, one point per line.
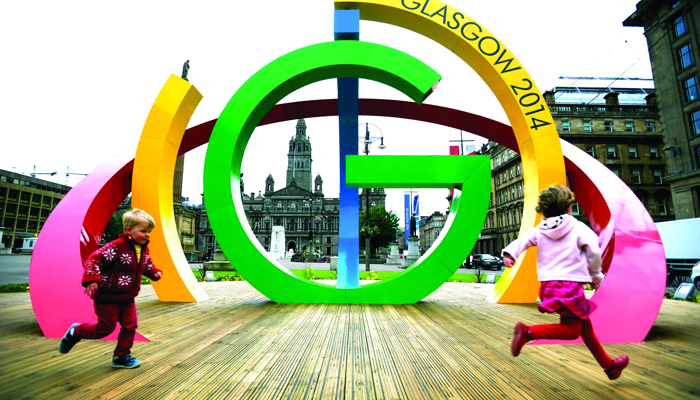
[674, 149]
[368, 140]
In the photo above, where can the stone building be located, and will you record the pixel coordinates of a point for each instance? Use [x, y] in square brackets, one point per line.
[25, 205]
[614, 121]
[185, 215]
[430, 228]
[300, 207]
[673, 39]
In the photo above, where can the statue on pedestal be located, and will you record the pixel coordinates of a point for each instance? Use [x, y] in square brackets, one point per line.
[413, 225]
[185, 69]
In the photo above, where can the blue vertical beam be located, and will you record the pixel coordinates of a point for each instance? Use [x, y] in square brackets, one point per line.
[347, 27]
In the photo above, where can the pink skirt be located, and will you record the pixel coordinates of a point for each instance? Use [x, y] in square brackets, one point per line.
[559, 296]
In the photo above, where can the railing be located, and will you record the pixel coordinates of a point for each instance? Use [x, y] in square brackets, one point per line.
[595, 109]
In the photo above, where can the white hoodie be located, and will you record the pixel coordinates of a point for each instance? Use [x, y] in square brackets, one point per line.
[567, 250]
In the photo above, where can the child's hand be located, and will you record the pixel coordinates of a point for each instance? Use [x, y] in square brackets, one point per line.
[508, 260]
[91, 289]
[595, 284]
[158, 274]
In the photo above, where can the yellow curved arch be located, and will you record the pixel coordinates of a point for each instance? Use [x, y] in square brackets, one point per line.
[538, 140]
[152, 187]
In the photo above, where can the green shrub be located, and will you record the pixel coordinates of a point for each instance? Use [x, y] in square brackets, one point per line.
[15, 288]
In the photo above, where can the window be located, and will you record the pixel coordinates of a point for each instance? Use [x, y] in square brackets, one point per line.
[657, 177]
[512, 192]
[499, 199]
[633, 152]
[691, 89]
[498, 180]
[590, 151]
[636, 176]
[679, 26]
[575, 209]
[662, 206]
[510, 174]
[608, 126]
[629, 127]
[697, 156]
[650, 126]
[586, 126]
[612, 153]
[505, 177]
[695, 123]
[685, 58]
[520, 189]
[616, 172]
[565, 126]
[505, 195]
[653, 152]
[517, 170]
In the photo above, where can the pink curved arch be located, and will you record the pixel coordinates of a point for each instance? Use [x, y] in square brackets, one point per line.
[626, 230]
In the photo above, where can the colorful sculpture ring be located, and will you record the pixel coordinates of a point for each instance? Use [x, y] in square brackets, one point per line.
[273, 82]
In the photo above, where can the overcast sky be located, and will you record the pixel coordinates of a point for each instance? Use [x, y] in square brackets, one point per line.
[79, 78]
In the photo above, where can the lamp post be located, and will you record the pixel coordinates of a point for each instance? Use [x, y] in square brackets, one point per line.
[368, 140]
[674, 149]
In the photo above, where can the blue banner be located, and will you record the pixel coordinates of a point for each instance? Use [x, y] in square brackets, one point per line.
[406, 218]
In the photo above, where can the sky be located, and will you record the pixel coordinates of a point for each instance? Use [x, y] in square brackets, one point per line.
[80, 77]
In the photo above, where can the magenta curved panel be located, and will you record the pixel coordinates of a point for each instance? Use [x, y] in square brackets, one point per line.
[626, 230]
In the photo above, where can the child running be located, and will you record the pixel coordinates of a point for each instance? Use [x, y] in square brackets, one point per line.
[568, 257]
[112, 278]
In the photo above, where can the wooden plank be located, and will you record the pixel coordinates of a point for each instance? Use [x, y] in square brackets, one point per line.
[238, 344]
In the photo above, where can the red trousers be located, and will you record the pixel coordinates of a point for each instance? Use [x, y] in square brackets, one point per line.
[108, 315]
[570, 328]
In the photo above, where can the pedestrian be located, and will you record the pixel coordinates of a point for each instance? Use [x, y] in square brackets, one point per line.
[568, 256]
[112, 278]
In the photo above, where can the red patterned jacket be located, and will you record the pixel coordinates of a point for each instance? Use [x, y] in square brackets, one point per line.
[115, 269]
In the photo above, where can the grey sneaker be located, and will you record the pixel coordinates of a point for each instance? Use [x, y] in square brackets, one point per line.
[125, 361]
[68, 341]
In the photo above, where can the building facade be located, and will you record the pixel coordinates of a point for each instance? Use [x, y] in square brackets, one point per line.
[25, 205]
[673, 37]
[430, 229]
[300, 207]
[615, 122]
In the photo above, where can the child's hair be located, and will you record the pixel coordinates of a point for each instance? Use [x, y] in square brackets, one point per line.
[555, 200]
[135, 217]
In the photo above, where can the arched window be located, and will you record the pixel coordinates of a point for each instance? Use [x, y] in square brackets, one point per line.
[293, 224]
[278, 222]
[512, 192]
[306, 224]
[520, 190]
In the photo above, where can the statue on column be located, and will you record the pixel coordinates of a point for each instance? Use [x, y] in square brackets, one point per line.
[185, 69]
[413, 225]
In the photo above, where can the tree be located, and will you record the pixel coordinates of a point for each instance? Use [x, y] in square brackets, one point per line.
[114, 228]
[381, 227]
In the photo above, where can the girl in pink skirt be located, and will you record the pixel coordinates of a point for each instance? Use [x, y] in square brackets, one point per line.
[568, 257]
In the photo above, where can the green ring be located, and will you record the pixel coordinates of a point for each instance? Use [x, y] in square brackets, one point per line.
[340, 59]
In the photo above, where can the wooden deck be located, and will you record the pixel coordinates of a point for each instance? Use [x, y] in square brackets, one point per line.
[238, 344]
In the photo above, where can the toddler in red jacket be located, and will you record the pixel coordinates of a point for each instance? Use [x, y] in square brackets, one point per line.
[112, 278]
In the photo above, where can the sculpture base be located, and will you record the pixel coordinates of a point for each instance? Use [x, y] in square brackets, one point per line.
[413, 255]
[218, 266]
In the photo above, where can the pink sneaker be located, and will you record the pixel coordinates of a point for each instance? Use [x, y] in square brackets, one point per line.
[519, 338]
[619, 364]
